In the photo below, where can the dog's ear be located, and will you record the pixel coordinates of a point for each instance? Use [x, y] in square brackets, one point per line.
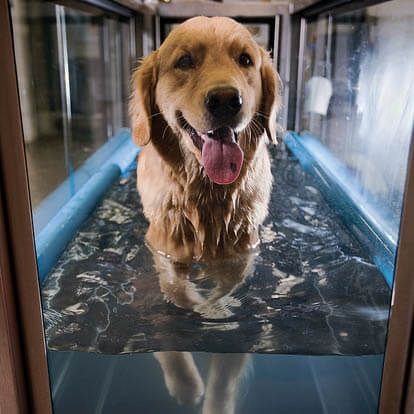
[271, 86]
[142, 101]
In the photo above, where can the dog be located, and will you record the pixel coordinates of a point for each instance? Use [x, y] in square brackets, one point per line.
[203, 108]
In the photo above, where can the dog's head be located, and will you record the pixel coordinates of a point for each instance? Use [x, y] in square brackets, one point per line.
[215, 88]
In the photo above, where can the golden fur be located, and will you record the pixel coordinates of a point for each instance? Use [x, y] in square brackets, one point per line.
[190, 216]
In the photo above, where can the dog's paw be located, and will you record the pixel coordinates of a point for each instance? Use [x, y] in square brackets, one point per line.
[220, 403]
[181, 376]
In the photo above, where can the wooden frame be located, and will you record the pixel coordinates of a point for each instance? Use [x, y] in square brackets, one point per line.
[397, 391]
[24, 381]
[12, 385]
[26, 356]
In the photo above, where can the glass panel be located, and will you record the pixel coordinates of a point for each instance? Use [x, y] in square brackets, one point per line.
[37, 61]
[73, 73]
[357, 101]
[266, 384]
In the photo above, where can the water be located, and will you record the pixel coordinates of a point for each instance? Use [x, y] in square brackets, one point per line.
[308, 288]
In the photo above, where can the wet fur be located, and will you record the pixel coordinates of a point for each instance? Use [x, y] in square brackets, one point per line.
[190, 217]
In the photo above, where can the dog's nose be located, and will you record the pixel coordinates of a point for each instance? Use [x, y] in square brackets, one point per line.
[223, 103]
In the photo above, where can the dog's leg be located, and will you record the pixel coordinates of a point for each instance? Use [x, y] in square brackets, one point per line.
[227, 275]
[174, 283]
[181, 376]
[223, 378]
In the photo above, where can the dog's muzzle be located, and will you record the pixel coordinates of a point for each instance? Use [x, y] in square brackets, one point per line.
[221, 154]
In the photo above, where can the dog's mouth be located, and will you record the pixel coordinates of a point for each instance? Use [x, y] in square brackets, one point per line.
[221, 154]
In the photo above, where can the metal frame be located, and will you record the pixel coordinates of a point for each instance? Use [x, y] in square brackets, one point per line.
[299, 85]
[322, 8]
[230, 9]
[276, 41]
[295, 26]
[299, 5]
[108, 6]
[283, 67]
[64, 83]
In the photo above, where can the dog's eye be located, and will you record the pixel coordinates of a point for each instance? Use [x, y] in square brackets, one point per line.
[185, 62]
[245, 60]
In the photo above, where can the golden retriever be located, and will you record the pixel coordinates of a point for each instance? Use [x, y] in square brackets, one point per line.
[202, 106]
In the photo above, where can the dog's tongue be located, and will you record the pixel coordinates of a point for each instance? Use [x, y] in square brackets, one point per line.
[222, 156]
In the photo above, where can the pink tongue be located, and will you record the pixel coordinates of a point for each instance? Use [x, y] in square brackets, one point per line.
[222, 156]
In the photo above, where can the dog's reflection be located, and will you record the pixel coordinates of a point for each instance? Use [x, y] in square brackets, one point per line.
[185, 384]
[179, 281]
[179, 286]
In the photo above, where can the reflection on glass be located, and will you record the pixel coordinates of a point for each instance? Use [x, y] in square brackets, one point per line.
[184, 383]
[267, 384]
[73, 72]
[357, 99]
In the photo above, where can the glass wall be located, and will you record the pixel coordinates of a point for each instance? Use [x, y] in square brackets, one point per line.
[73, 73]
[358, 84]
